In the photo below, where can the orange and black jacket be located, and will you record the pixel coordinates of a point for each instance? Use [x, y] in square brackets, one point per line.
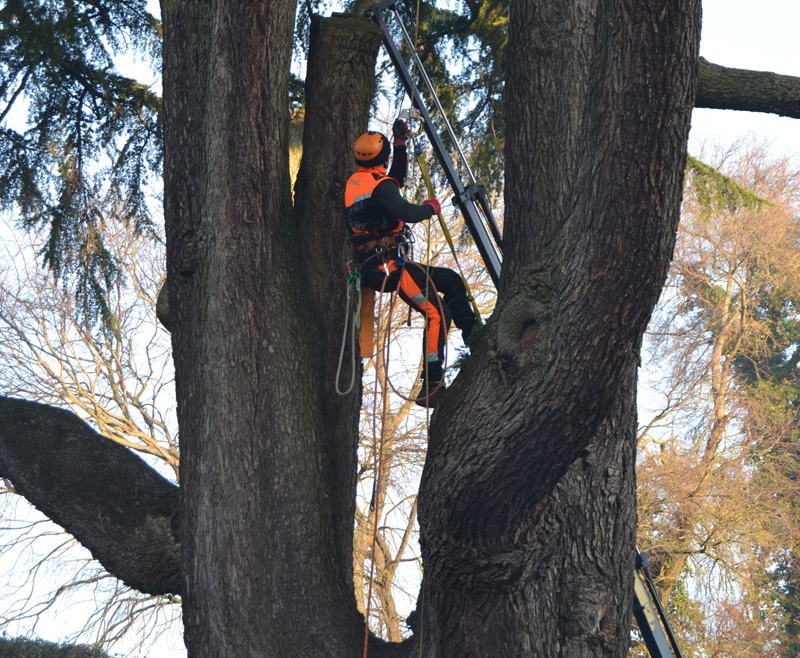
[374, 206]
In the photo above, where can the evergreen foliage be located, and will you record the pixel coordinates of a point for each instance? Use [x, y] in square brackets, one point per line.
[787, 579]
[715, 192]
[78, 141]
[463, 51]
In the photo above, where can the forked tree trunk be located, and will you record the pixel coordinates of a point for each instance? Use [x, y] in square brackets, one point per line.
[259, 544]
[527, 502]
[527, 506]
[339, 89]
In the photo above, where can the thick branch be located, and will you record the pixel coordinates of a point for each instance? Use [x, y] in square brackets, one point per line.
[17, 647]
[723, 88]
[104, 495]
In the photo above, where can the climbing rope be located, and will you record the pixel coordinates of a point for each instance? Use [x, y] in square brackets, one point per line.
[409, 115]
[353, 290]
[382, 348]
[420, 160]
[378, 440]
[382, 354]
[428, 284]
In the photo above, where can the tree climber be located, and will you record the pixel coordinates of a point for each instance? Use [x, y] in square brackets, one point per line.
[377, 217]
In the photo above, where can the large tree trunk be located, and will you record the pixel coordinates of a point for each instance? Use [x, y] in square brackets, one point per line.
[339, 89]
[258, 539]
[527, 506]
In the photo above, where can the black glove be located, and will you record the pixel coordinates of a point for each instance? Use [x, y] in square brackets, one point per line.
[400, 132]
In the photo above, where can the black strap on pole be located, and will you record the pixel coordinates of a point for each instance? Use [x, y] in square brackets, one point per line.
[471, 199]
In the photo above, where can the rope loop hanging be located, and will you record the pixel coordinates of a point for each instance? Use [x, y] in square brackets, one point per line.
[351, 320]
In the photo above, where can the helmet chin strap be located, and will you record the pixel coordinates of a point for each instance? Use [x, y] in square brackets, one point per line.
[381, 169]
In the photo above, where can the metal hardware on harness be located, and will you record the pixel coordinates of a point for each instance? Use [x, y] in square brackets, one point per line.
[383, 242]
[402, 253]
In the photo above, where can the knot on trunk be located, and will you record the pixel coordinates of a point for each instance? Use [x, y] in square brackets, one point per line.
[524, 322]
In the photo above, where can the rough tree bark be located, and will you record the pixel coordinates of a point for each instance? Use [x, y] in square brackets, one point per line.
[527, 504]
[113, 503]
[258, 511]
[725, 88]
[337, 106]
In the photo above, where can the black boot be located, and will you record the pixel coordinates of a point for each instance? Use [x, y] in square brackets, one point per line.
[463, 316]
[433, 387]
[466, 327]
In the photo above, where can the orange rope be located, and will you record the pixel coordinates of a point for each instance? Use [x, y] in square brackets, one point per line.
[377, 453]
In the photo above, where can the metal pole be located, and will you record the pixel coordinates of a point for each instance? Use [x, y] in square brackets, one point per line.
[426, 79]
[479, 225]
[651, 617]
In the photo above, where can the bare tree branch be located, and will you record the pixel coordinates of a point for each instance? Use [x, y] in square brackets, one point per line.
[722, 88]
[118, 507]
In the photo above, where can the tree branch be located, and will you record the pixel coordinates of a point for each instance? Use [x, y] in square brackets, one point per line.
[18, 647]
[724, 88]
[105, 496]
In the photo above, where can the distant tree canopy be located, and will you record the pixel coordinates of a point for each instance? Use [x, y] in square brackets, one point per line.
[718, 463]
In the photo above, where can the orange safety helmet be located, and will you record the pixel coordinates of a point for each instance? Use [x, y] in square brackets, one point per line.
[371, 149]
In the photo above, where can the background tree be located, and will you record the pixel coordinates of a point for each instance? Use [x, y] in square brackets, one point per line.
[715, 507]
[92, 137]
[120, 381]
